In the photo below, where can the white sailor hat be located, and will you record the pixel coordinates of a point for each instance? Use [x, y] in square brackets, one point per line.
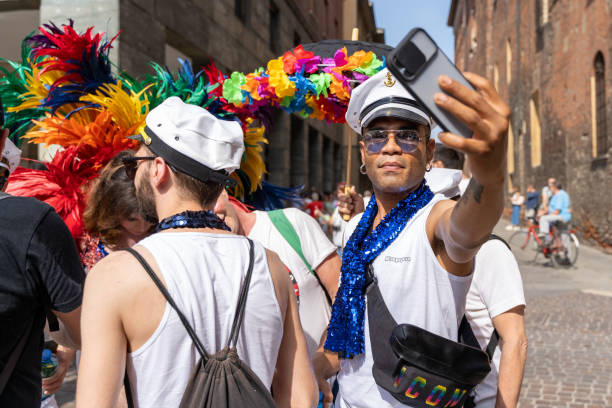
[11, 156]
[194, 141]
[383, 96]
[444, 181]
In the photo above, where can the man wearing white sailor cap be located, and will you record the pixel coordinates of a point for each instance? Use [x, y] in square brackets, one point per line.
[180, 169]
[420, 246]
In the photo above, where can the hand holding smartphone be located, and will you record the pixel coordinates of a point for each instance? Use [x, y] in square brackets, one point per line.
[417, 62]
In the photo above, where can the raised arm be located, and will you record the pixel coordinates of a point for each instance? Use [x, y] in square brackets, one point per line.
[293, 384]
[465, 226]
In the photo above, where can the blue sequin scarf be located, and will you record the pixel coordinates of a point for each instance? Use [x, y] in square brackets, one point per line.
[345, 334]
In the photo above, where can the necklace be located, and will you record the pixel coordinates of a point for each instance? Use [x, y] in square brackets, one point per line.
[345, 334]
[192, 219]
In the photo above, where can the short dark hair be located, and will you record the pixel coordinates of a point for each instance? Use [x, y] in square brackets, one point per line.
[112, 198]
[450, 158]
[204, 192]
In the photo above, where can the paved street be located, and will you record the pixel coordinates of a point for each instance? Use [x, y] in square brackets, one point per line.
[569, 326]
[569, 321]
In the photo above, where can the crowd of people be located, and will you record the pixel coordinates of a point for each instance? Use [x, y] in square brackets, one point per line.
[178, 282]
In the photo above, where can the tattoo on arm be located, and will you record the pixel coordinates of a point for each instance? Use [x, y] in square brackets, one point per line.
[474, 190]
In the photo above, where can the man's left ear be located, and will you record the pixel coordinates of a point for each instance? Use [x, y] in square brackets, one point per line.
[431, 147]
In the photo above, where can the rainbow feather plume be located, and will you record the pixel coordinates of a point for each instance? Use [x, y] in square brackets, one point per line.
[59, 185]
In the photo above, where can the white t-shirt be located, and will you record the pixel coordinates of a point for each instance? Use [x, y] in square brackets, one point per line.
[463, 184]
[416, 290]
[338, 226]
[314, 308]
[496, 288]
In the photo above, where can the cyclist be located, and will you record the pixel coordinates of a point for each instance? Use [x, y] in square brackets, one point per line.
[558, 210]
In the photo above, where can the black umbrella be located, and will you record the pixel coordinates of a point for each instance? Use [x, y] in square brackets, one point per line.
[327, 48]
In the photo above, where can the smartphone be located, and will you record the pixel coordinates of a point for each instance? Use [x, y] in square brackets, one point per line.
[417, 62]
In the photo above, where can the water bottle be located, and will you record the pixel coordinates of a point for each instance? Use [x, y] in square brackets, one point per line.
[48, 367]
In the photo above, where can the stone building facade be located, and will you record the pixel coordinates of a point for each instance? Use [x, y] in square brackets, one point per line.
[237, 35]
[550, 59]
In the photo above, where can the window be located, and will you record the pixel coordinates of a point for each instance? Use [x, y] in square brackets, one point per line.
[313, 158]
[473, 39]
[172, 56]
[598, 96]
[328, 182]
[496, 77]
[337, 154]
[274, 29]
[296, 39]
[297, 174]
[508, 61]
[510, 150]
[535, 131]
[241, 10]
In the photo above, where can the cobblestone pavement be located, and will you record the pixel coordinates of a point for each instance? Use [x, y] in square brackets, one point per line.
[569, 327]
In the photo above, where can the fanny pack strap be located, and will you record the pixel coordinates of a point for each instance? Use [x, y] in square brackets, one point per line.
[382, 323]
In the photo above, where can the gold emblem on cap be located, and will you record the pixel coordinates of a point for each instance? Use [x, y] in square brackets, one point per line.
[390, 81]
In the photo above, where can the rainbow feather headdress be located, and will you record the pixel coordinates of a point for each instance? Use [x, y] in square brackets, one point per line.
[65, 93]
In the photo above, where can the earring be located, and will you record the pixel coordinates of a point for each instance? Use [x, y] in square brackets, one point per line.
[428, 167]
[362, 169]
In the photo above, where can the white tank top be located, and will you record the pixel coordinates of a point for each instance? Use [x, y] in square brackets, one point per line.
[417, 290]
[203, 273]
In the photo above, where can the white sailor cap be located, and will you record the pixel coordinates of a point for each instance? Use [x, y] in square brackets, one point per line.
[11, 156]
[383, 96]
[194, 141]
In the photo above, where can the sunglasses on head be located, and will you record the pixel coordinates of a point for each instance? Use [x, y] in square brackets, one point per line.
[407, 139]
[130, 164]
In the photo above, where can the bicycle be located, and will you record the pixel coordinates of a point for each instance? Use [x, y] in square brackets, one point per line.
[562, 249]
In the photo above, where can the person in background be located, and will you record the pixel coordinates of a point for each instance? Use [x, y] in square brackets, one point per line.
[329, 203]
[337, 223]
[558, 210]
[40, 277]
[367, 194]
[531, 204]
[112, 215]
[517, 201]
[315, 205]
[546, 195]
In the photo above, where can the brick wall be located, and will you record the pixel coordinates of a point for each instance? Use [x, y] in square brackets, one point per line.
[557, 55]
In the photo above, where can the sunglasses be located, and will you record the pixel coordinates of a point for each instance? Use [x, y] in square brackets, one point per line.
[407, 139]
[130, 164]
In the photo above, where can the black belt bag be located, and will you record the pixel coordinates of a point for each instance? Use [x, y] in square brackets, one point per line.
[419, 368]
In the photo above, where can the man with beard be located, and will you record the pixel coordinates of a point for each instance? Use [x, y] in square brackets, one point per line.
[421, 248]
[179, 172]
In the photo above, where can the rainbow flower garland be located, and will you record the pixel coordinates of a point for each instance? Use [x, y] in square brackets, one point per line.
[303, 83]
